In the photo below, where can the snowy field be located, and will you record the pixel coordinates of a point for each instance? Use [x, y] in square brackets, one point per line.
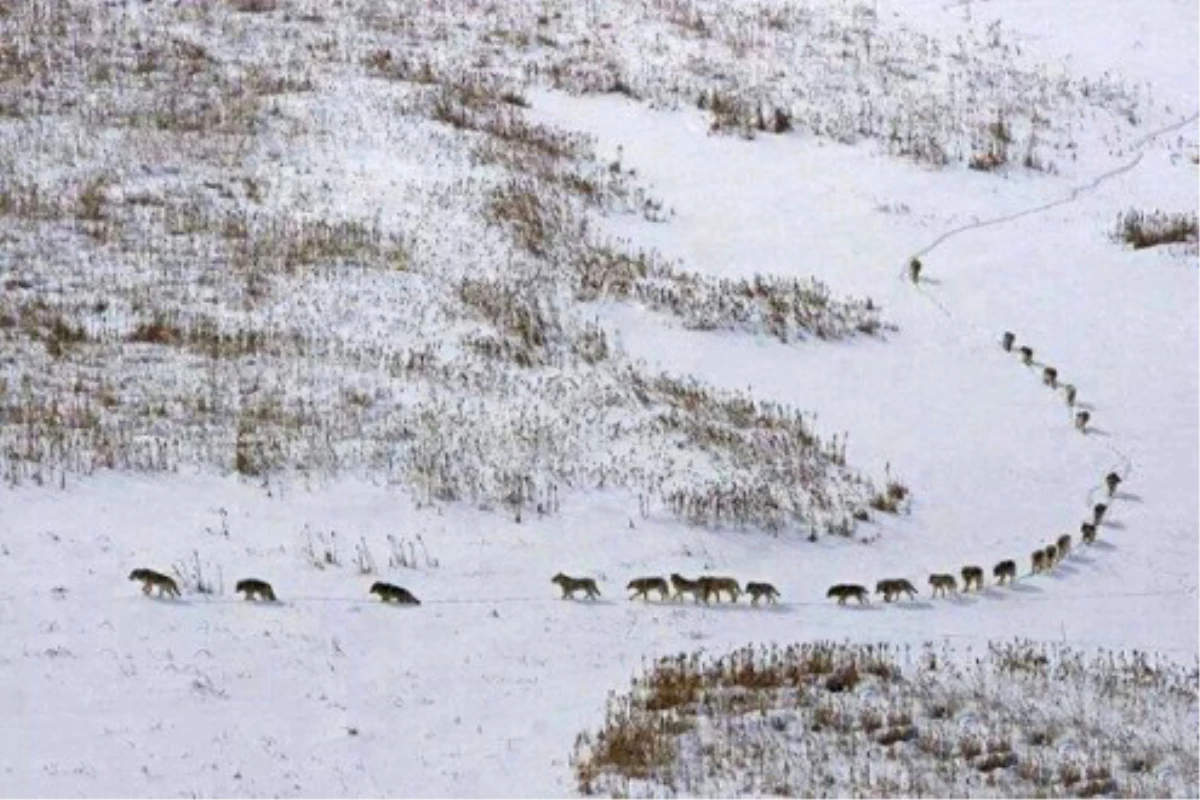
[312, 460]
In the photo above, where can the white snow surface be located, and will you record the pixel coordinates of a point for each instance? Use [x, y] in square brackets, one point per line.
[483, 688]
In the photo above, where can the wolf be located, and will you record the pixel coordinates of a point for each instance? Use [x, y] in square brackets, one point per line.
[711, 585]
[391, 593]
[1037, 562]
[972, 576]
[1050, 377]
[760, 590]
[891, 588]
[1081, 421]
[642, 587]
[844, 591]
[1008, 340]
[1026, 355]
[1098, 511]
[150, 579]
[1051, 553]
[1069, 392]
[1064, 546]
[942, 584]
[1112, 480]
[1088, 531]
[683, 586]
[570, 586]
[1005, 571]
[253, 588]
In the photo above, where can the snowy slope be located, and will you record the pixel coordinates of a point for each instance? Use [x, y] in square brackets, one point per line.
[483, 689]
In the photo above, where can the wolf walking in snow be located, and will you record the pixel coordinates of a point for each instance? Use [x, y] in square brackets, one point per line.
[683, 586]
[972, 576]
[712, 586]
[1064, 546]
[570, 586]
[943, 583]
[1050, 377]
[1112, 480]
[150, 580]
[845, 591]
[1037, 562]
[1026, 355]
[1088, 532]
[1081, 421]
[1069, 393]
[891, 588]
[254, 589]
[642, 587]
[1098, 512]
[760, 590]
[1008, 340]
[1005, 571]
[390, 593]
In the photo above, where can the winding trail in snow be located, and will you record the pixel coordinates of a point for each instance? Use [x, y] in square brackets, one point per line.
[1126, 463]
[1095, 183]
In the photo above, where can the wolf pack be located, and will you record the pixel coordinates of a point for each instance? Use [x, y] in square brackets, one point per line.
[705, 588]
[1082, 417]
[257, 589]
[708, 588]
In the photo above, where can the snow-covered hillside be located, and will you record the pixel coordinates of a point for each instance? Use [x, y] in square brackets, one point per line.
[460, 296]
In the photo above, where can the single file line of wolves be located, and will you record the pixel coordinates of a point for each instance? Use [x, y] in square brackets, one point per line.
[912, 271]
[1127, 463]
[671, 604]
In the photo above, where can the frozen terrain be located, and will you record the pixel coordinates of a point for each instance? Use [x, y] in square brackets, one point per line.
[194, 381]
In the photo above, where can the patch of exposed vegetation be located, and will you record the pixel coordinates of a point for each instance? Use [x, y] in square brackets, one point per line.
[809, 720]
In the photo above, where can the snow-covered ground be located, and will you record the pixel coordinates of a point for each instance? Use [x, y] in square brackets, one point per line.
[484, 687]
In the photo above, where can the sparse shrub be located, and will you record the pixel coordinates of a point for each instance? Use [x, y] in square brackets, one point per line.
[1142, 229]
[870, 721]
[514, 99]
[902, 733]
[62, 335]
[781, 121]
[159, 330]
[320, 550]
[1069, 773]
[1042, 737]
[193, 578]
[994, 761]
[363, 559]
[91, 200]
[1142, 762]
[969, 747]
[1098, 787]
[890, 501]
